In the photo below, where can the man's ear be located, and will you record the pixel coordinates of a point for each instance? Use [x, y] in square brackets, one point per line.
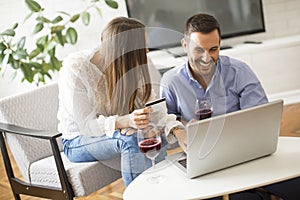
[184, 44]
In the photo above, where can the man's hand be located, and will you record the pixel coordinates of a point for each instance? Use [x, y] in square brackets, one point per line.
[180, 134]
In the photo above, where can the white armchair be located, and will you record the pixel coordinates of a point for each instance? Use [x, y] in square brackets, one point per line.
[47, 172]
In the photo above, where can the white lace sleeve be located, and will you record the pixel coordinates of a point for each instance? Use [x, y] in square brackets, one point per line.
[77, 108]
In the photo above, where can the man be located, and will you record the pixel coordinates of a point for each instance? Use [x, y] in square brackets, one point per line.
[230, 83]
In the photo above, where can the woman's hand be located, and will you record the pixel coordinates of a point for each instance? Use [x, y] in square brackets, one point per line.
[140, 118]
[137, 119]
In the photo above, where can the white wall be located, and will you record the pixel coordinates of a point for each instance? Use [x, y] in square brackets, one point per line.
[281, 18]
[89, 36]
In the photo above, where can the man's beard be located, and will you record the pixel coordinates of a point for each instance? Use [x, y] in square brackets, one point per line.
[204, 68]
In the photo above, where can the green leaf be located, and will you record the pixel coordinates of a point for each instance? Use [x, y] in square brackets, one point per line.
[33, 5]
[86, 18]
[74, 18]
[6, 58]
[15, 26]
[21, 43]
[36, 65]
[34, 53]
[49, 76]
[51, 52]
[40, 47]
[65, 13]
[56, 64]
[52, 44]
[28, 16]
[43, 19]
[41, 43]
[71, 35]
[55, 29]
[27, 71]
[42, 40]
[1, 58]
[60, 38]
[20, 54]
[10, 58]
[57, 19]
[41, 78]
[46, 67]
[9, 32]
[13, 75]
[99, 11]
[38, 28]
[13, 62]
[112, 4]
[2, 47]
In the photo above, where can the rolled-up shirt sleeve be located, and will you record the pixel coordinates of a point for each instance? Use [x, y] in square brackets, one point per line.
[249, 88]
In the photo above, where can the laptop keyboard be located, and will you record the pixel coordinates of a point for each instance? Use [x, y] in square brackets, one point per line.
[182, 162]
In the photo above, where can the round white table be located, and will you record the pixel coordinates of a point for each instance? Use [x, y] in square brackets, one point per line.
[284, 164]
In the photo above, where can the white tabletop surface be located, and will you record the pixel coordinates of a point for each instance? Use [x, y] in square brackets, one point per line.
[282, 165]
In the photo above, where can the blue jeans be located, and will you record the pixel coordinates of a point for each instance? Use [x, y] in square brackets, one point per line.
[102, 148]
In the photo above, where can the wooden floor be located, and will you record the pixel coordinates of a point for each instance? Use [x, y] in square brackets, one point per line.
[290, 126]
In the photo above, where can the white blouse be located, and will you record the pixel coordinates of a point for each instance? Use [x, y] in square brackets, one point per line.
[81, 109]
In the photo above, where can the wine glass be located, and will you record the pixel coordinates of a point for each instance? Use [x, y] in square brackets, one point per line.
[149, 141]
[203, 108]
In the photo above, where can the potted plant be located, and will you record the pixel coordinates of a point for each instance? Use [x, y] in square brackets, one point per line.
[51, 33]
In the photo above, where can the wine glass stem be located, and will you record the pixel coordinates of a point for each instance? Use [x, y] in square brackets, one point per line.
[153, 163]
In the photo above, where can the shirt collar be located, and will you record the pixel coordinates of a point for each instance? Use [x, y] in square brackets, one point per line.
[189, 74]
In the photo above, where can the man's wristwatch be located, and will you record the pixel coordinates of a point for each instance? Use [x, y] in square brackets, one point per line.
[176, 128]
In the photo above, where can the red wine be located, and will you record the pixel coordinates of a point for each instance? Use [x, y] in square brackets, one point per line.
[150, 147]
[203, 113]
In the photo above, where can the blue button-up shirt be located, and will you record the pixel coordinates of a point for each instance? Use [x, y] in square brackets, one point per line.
[234, 86]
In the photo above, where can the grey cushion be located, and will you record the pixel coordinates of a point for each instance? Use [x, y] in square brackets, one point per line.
[85, 177]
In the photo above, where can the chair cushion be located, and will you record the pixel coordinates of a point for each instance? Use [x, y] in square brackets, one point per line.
[85, 178]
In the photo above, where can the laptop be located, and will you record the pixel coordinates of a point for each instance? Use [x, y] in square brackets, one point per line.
[230, 139]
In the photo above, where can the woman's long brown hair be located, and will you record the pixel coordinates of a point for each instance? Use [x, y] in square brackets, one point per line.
[124, 51]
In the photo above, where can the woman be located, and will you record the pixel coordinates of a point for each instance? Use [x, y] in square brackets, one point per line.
[102, 96]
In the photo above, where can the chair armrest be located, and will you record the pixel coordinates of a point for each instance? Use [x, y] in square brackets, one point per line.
[9, 128]
[48, 135]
